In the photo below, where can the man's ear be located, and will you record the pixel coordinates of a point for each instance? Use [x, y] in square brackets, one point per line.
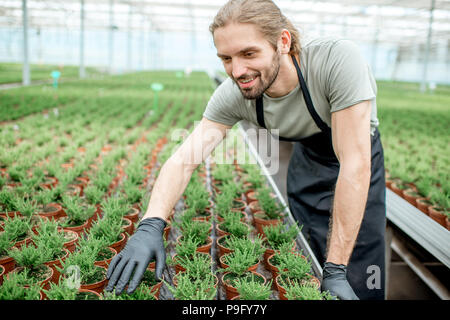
[284, 42]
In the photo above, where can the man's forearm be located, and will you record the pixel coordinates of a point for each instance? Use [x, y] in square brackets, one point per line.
[169, 186]
[348, 211]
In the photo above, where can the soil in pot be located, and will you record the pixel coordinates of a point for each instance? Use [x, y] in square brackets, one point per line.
[105, 256]
[71, 240]
[97, 282]
[50, 211]
[42, 274]
[79, 228]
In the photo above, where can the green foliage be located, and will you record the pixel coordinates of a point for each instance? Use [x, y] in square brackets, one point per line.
[109, 228]
[13, 287]
[307, 291]
[61, 291]
[197, 265]
[76, 211]
[16, 228]
[293, 265]
[278, 234]
[253, 290]
[29, 257]
[239, 261]
[7, 200]
[26, 206]
[189, 289]
[5, 244]
[198, 230]
[84, 260]
[232, 223]
[133, 193]
[197, 197]
[186, 246]
[142, 292]
[49, 239]
[269, 205]
[93, 194]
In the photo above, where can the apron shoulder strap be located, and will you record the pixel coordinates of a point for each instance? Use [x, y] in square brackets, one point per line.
[260, 112]
[309, 104]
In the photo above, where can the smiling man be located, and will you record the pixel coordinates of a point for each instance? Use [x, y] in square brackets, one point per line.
[321, 96]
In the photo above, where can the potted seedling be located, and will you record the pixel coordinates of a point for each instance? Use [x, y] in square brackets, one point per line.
[277, 235]
[188, 289]
[229, 243]
[103, 253]
[142, 292]
[5, 260]
[232, 224]
[248, 257]
[133, 194]
[8, 203]
[185, 249]
[221, 174]
[17, 230]
[78, 214]
[271, 212]
[46, 205]
[94, 196]
[200, 232]
[18, 286]
[238, 269]
[48, 238]
[187, 258]
[293, 267]
[81, 263]
[197, 199]
[62, 291]
[253, 290]
[30, 260]
[110, 229]
[296, 291]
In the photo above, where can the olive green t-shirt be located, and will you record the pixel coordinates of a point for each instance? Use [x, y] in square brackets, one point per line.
[337, 77]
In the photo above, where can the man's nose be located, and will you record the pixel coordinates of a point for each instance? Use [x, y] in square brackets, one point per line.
[239, 69]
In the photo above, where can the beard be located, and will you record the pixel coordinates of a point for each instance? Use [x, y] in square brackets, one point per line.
[264, 82]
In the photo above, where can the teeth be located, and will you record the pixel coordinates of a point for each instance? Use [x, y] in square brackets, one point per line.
[247, 81]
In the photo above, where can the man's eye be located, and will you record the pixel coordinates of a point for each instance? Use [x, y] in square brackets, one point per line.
[249, 54]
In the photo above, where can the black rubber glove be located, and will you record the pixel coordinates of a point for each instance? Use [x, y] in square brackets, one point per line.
[335, 281]
[144, 245]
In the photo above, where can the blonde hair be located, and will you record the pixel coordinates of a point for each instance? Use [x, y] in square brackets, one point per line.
[264, 14]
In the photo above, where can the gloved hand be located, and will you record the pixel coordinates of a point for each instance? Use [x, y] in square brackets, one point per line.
[335, 281]
[144, 245]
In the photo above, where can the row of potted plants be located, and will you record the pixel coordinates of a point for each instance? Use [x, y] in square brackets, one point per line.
[428, 200]
[111, 193]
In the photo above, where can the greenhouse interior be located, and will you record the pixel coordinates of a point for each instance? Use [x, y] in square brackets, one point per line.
[134, 146]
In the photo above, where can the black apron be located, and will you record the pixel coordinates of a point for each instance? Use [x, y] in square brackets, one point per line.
[312, 175]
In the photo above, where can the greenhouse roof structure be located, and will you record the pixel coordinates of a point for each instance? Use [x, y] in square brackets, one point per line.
[404, 22]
